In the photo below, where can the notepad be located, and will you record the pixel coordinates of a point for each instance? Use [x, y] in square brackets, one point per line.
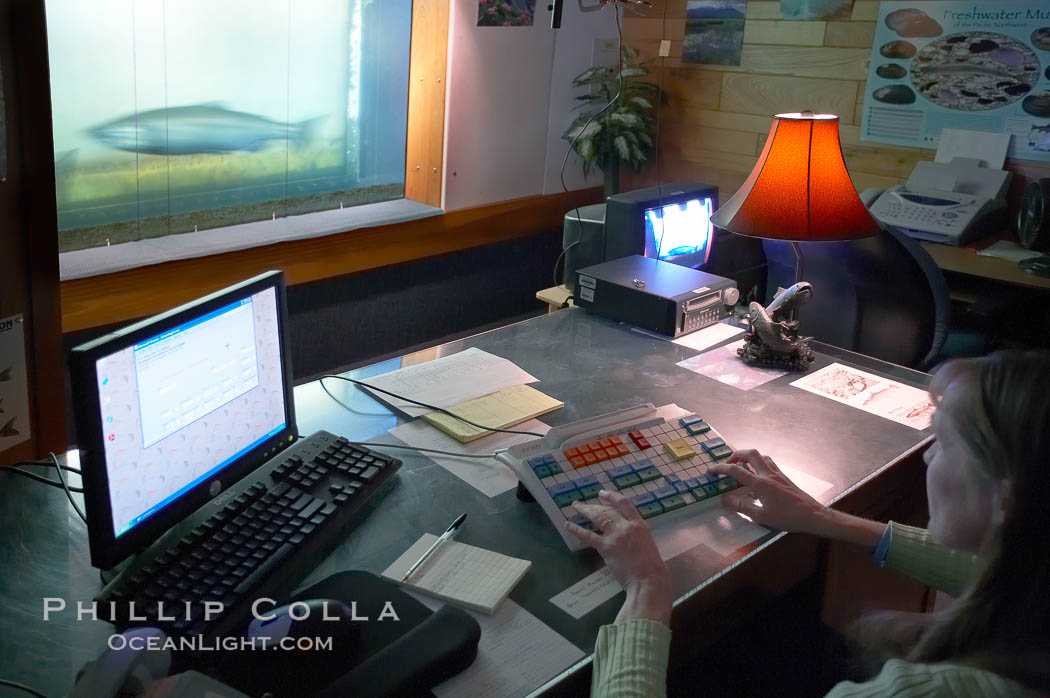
[462, 574]
[501, 409]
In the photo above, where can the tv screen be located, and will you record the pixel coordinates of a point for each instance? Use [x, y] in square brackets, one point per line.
[679, 232]
[670, 222]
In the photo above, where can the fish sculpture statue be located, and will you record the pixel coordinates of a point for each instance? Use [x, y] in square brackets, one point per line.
[772, 339]
[198, 128]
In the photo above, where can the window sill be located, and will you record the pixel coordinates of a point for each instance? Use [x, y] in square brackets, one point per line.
[120, 296]
[94, 261]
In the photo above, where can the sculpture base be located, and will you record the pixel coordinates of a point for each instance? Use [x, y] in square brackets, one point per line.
[755, 352]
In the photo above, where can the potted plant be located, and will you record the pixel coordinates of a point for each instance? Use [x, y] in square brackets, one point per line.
[604, 138]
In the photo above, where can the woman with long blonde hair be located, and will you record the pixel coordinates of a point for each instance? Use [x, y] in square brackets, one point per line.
[987, 543]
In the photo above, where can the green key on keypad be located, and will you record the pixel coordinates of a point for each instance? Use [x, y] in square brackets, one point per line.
[720, 452]
[648, 474]
[564, 500]
[650, 510]
[627, 481]
[673, 502]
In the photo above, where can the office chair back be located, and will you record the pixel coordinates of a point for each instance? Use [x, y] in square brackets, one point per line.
[882, 296]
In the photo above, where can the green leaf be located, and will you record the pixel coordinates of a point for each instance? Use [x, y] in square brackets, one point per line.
[644, 137]
[642, 102]
[591, 130]
[627, 120]
[591, 75]
[585, 149]
[632, 73]
[622, 148]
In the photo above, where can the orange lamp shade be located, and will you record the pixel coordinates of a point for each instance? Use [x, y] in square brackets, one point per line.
[800, 189]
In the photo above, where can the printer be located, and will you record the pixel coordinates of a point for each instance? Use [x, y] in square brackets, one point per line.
[949, 202]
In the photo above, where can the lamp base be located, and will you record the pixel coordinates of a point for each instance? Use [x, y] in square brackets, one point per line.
[773, 339]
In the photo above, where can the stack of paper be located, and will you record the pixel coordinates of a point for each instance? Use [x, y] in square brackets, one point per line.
[497, 410]
[463, 574]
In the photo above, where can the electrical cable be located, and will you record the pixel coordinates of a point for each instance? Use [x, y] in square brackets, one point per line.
[347, 407]
[38, 478]
[426, 450]
[69, 494]
[362, 384]
[572, 144]
[22, 687]
[47, 464]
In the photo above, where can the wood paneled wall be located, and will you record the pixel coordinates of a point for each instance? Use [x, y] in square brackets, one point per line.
[717, 117]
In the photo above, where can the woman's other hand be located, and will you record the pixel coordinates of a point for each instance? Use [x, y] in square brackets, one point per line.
[783, 505]
[624, 541]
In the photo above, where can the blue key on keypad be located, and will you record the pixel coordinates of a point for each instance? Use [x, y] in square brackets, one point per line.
[588, 486]
[564, 493]
[681, 487]
[643, 498]
[712, 444]
[579, 520]
[665, 492]
[619, 471]
[672, 478]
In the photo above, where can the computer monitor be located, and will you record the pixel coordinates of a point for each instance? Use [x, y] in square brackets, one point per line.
[673, 221]
[173, 410]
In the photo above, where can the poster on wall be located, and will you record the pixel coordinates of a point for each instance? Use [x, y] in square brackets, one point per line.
[14, 386]
[815, 9]
[980, 66]
[714, 31]
[506, 13]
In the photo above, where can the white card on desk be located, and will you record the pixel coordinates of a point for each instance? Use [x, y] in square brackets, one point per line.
[463, 574]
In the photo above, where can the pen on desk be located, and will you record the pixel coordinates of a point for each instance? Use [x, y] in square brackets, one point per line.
[449, 532]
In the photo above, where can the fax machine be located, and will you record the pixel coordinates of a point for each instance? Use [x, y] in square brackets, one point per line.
[952, 203]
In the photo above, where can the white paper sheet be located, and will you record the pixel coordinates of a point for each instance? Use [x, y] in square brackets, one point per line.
[989, 147]
[1010, 251]
[709, 336]
[449, 380]
[518, 652]
[722, 530]
[488, 476]
[724, 365]
[880, 396]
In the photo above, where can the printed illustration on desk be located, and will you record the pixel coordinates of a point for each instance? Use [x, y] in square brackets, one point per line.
[661, 464]
[978, 66]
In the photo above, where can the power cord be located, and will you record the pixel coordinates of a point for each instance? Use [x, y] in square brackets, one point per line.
[362, 384]
[572, 144]
[22, 687]
[15, 468]
[69, 493]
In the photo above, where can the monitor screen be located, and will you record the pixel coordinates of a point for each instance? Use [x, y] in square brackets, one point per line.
[679, 231]
[670, 222]
[175, 409]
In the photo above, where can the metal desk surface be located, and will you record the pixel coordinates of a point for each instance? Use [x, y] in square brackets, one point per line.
[592, 364]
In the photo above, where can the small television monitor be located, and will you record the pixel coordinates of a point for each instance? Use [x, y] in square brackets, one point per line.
[671, 222]
[175, 409]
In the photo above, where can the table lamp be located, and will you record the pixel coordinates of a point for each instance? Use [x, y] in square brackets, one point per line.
[800, 191]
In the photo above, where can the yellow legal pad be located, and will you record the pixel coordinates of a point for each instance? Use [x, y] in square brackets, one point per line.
[499, 410]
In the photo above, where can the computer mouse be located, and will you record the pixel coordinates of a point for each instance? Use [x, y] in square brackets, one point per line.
[303, 619]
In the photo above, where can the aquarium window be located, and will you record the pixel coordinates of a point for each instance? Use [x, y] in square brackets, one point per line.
[176, 116]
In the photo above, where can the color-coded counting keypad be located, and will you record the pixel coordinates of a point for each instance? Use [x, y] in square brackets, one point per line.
[661, 466]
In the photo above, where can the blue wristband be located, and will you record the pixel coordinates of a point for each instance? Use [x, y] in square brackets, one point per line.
[878, 558]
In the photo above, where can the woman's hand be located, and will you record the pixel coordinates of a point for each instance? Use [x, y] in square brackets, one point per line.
[783, 504]
[624, 541]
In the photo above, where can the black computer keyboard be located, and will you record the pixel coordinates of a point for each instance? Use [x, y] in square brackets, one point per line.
[258, 543]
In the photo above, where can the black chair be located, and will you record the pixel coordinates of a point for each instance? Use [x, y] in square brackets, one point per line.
[883, 296]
